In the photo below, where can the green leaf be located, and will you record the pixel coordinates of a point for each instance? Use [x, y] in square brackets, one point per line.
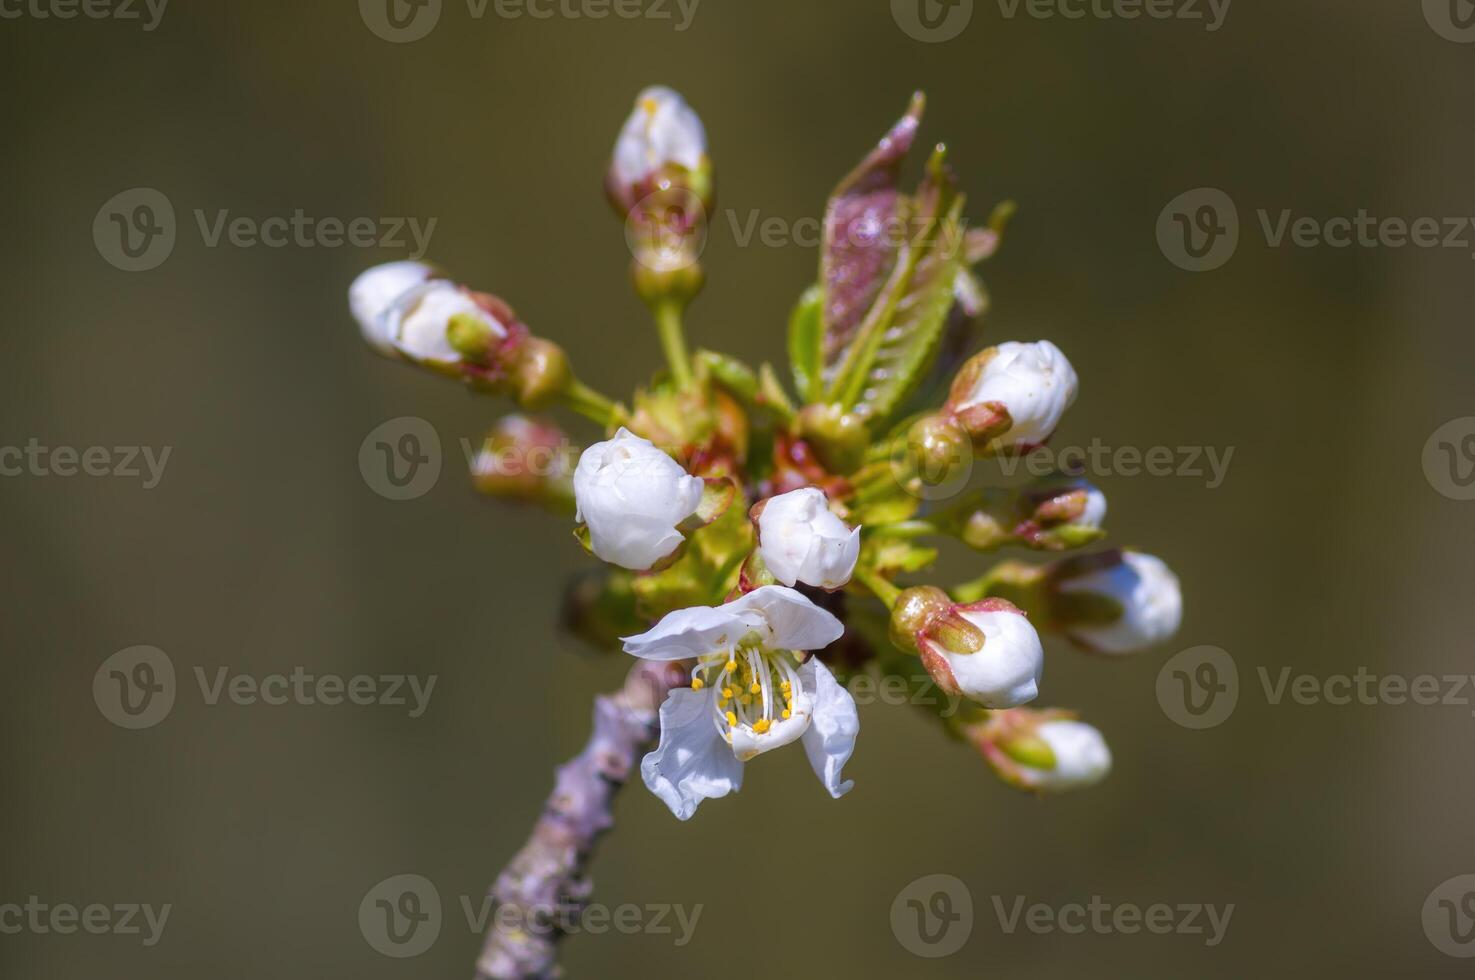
[806, 345]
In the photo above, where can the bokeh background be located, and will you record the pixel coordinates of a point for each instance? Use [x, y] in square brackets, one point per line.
[262, 550]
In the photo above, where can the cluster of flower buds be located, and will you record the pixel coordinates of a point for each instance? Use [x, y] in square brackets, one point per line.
[1042, 751]
[986, 651]
[1115, 601]
[1008, 400]
[410, 311]
[732, 510]
[1052, 515]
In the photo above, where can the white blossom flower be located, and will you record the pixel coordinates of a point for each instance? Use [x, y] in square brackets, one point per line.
[1150, 598]
[420, 321]
[802, 541]
[1081, 757]
[1004, 673]
[752, 691]
[662, 130]
[1034, 382]
[375, 293]
[632, 497]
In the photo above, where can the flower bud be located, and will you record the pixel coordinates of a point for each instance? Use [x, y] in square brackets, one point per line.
[541, 373]
[1050, 516]
[839, 438]
[375, 293]
[1043, 751]
[939, 448]
[663, 143]
[1116, 602]
[525, 459]
[801, 540]
[424, 322]
[631, 497]
[987, 651]
[1011, 397]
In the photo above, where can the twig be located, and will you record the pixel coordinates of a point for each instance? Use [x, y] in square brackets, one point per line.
[546, 887]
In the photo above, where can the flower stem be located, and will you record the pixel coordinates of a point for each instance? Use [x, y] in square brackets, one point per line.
[589, 403]
[884, 589]
[673, 341]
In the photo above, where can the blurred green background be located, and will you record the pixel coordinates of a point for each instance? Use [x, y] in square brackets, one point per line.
[263, 549]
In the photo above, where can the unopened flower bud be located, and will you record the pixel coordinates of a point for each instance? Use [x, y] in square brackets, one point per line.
[663, 143]
[1011, 397]
[838, 437]
[986, 651]
[541, 373]
[1043, 751]
[375, 293]
[423, 322]
[1116, 602]
[939, 448]
[801, 540]
[525, 459]
[631, 496]
[1050, 516]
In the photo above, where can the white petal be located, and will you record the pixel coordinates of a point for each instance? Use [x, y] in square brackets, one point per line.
[801, 540]
[830, 739]
[663, 129]
[692, 762]
[795, 622]
[1151, 600]
[689, 633]
[632, 496]
[1007, 671]
[1081, 756]
[373, 294]
[1035, 382]
[422, 318]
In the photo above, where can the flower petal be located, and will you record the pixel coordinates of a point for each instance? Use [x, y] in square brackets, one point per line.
[692, 763]
[830, 739]
[796, 623]
[689, 633]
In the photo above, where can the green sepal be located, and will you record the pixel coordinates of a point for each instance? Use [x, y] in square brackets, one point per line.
[806, 345]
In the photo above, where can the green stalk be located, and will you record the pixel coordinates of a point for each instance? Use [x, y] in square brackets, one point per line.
[673, 341]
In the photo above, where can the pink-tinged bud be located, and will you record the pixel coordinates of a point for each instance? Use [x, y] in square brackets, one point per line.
[663, 144]
[526, 459]
[1042, 751]
[1051, 516]
[986, 651]
[1115, 602]
[1010, 398]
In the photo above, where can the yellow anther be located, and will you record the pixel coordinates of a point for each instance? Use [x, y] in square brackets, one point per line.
[745, 700]
[755, 688]
[697, 683]
[788, 713]
[731, 666]
[732, 719]
[727, 693]
[762, 725]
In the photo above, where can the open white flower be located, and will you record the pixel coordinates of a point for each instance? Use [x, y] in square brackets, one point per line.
[1033, 382]
[1081, 757]
[632, 497]
[662, 130]
[375, 293]
[419, 323]
[801, 540]
[1004, 673]
[1148, 593]
[752, 691]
